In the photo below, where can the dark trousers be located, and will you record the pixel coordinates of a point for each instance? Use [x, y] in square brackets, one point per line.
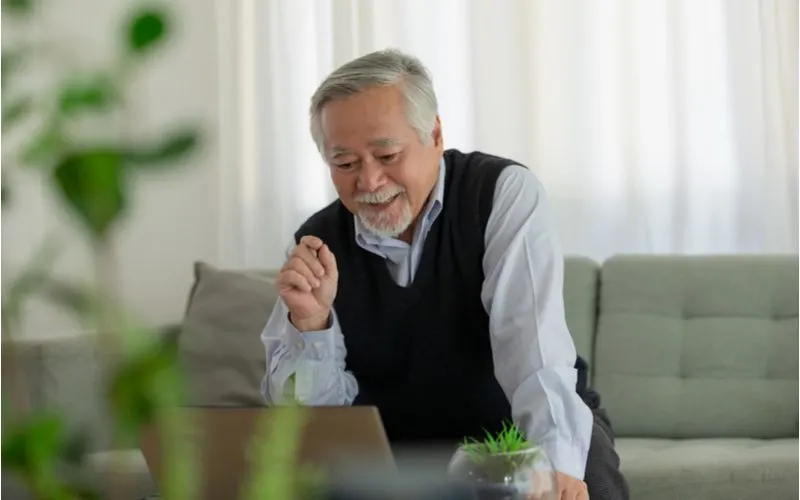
[603, 477]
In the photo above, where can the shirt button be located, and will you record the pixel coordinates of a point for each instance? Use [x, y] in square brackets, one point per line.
[317, 345]
[299, 345]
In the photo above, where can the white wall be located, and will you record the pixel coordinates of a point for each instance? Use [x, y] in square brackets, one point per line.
[175, 217]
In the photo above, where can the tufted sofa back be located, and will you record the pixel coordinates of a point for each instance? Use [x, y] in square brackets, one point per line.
[699, 346]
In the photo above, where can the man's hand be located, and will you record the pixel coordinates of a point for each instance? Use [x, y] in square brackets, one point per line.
[571, 488]
[307, 284]
[566, 487]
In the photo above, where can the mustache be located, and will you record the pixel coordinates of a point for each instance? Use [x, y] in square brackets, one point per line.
[380, 196]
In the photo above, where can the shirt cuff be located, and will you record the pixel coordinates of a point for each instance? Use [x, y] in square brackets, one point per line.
[567, 458]
[316, 344]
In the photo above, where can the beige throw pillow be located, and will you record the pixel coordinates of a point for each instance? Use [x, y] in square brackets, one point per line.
[220, 345]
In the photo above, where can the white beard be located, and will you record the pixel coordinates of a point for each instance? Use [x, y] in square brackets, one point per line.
[385, 224]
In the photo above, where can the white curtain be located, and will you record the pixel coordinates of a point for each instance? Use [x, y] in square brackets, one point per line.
[656, 126]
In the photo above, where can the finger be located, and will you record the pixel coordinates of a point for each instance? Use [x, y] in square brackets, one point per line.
[293, 280]
[573, 492]
[581, 491]
[535, 495]
[311, 242]
[328, 261]
[562, 491]
[299, 265]
[311, 259]
[542, 486]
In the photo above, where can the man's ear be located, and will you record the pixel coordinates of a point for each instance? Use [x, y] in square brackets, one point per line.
[436, 135]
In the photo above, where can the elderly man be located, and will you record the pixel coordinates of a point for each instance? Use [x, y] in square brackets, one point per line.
[432, 288]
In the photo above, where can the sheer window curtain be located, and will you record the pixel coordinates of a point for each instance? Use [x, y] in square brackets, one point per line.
[665, 126]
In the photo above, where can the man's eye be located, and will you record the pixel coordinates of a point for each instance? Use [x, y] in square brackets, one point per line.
[346, 166]
[388, 158]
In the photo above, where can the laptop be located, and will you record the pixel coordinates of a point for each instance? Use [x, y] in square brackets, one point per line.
[332, 437]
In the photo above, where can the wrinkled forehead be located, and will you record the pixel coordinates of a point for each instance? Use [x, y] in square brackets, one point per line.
[335, 151]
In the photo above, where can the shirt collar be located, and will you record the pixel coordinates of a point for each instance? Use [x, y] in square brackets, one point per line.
[429, 214]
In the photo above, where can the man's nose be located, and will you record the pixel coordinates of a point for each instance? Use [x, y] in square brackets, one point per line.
[371, 177]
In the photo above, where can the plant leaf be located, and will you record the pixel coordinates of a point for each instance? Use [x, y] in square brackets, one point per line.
[69, 296]
[11, 61]
[39, 450]
[273, 454]
[92, 184]
[17, 7]
[44, 147]
[146, 29]
[175, 145]
[139, 384]
[33, 443]
[87, 92]
[16, 111]
[28, 281]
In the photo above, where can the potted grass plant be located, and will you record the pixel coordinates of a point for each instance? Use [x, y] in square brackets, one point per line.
[504, 465]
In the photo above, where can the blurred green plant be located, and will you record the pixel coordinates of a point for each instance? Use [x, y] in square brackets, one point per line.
[92, 180]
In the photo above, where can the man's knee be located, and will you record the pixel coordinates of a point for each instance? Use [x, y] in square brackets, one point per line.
[603, 477]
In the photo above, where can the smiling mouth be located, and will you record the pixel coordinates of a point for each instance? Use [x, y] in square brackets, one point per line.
[382, 203]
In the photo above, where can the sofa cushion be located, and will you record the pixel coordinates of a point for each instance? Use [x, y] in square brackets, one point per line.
[709, 469]
[65, 374]
[580, 303]
[699, 346]
[220, 345]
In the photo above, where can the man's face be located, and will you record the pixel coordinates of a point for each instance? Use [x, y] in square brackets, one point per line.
[382, 172]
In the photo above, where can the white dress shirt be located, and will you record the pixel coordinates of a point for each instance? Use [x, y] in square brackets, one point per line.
[533, 351]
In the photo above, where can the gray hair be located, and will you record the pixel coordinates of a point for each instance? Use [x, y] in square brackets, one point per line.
[384, 67]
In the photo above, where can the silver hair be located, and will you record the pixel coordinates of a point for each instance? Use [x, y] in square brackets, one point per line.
[383, 67]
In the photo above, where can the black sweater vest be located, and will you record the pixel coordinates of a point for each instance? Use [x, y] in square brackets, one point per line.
[422, 353]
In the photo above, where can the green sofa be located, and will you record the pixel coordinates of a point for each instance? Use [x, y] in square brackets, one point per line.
[696, 361]
[695, 358]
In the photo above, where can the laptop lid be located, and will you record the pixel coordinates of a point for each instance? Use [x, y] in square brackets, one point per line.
[332, 437]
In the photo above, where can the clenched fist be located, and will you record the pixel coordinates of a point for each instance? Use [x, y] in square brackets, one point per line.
[307, 284]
